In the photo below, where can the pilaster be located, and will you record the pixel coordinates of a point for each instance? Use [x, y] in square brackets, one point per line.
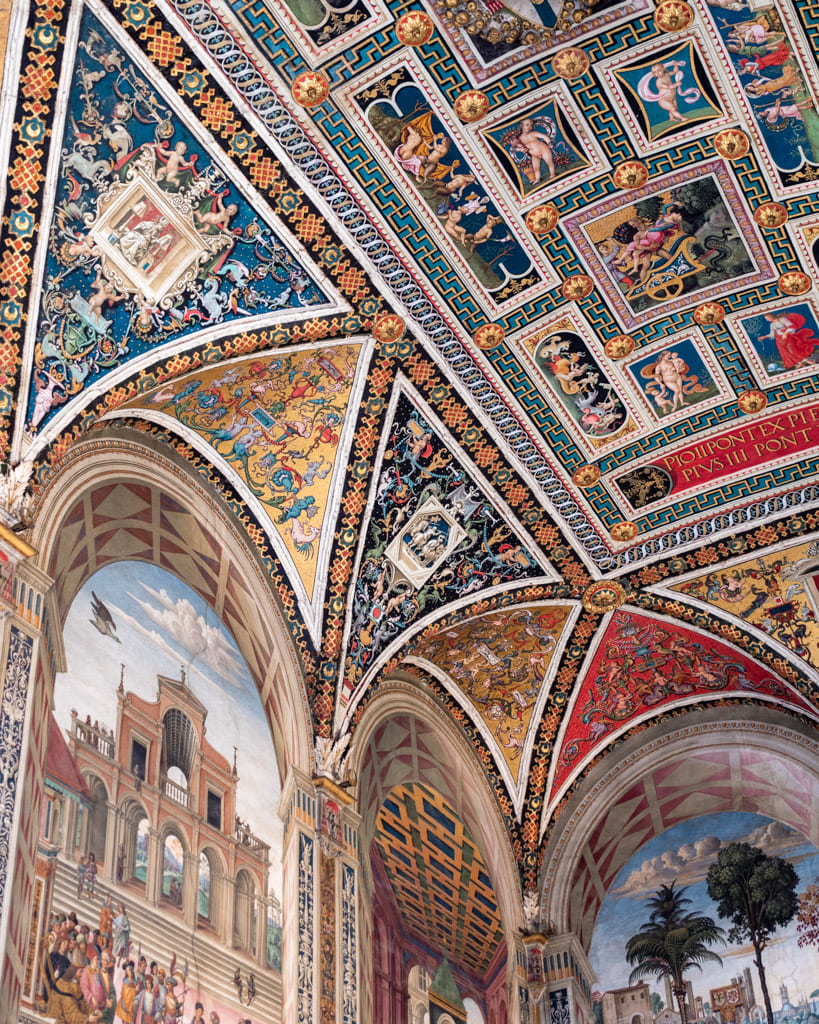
[30, 655]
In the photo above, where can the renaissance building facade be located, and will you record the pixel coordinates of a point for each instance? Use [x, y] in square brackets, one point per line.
[409, 527]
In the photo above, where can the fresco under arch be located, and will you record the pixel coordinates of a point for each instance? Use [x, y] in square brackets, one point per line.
[161, 768]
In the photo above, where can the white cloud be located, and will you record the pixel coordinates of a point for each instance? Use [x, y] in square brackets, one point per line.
[691, 861]
[199, 641]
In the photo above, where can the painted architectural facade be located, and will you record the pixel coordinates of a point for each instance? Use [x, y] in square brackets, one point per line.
[409, 525]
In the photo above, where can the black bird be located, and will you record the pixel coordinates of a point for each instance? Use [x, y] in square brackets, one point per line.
[103, 620]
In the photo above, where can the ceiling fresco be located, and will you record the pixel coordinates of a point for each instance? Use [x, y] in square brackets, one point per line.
[493, 326]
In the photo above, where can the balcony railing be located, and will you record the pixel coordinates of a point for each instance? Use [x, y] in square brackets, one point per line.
[248, 841]
[176, 793]
[93, 736]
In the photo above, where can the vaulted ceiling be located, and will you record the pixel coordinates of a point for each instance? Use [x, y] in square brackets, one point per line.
[494, 324]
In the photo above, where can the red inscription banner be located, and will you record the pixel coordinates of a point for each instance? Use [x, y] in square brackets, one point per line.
[757, 442]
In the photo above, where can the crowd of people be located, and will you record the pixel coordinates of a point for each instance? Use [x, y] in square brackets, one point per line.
[90, 975]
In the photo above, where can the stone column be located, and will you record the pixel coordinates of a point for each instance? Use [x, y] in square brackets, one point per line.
[227, 904]
[299, 896]
[190, 888]
[69, 828]
[261, 930]
[30, 655]
[153, 878]
[567, 998]
[113, 829]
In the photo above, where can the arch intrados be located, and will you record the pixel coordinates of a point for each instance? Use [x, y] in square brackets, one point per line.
[133, 809]
[92, 780]
[246, 877]
[170, 828]
[779, 740]
[129, 462]
[463, 785]
[214, 859]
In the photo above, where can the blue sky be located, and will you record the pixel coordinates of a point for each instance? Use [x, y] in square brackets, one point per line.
[685, 853]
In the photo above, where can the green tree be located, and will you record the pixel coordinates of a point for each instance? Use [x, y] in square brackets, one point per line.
[757, 894]
[656, 1003]
[672, 941]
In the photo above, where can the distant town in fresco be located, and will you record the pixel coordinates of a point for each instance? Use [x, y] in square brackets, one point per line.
[161, 800]
[696, 858]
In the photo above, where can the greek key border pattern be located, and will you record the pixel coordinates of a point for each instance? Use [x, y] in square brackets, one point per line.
[243, 73]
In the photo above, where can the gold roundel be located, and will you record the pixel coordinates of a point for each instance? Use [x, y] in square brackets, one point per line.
[731, 143]
[771, 215]
[673, 16]
[577, 287]
[389, 327]
[488, 336]
[620, 346]
[471, 106]
[794, 282]
[624, 531]
[752, 401]
[571, 62]
[542, 219]
[310, 88]
[709, 313]
[631, 174]
[604, 596]
[414, 28]
[586, 476]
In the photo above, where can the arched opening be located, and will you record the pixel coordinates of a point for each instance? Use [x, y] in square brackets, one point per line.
[244, 912]
[174, 538]
[132, 862]
[203, 889]
[142, 850]
[399, 778]
[179, 747]
[173, 867]
[650, 831]
[97, 819]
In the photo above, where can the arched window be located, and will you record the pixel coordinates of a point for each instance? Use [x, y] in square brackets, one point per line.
[142, 849]
[98, 820]
[204, 885]
[172, 863]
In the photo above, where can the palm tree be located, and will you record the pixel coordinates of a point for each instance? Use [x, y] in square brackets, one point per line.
[672, 941]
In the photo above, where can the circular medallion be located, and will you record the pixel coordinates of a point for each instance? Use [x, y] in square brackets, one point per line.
[794, 282]
[310, 88]
[673, 16]
[620, 346]
[752, 401]
[488, 336]
[414, 28]
[624, 531]
[586, 476]
[471, 105]
[543, 219]
[604, 596]
[577, 287]
[770, 215]
[389, 327]
[571, 62]
[631, 174]
[709, 313]
[731, 143]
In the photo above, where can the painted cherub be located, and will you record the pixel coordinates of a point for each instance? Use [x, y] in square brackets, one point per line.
[105, 294]
[174, 164]
[218, 217]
